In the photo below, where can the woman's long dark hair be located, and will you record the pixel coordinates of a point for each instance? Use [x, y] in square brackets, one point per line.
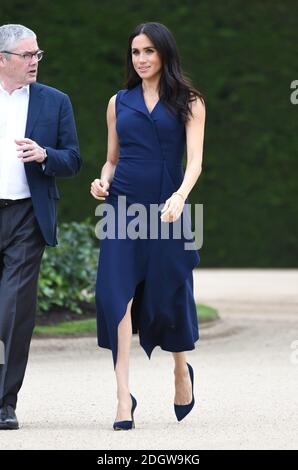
[175, 90]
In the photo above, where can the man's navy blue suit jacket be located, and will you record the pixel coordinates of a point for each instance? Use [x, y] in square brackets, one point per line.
[51, 124]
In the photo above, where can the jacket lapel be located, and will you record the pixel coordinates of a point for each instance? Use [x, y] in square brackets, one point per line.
[34, 108]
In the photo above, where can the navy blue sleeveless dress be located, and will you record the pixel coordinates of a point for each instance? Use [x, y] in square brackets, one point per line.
[155, 271]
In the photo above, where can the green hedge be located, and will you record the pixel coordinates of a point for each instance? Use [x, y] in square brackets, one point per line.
[241, 56]
[68, 272]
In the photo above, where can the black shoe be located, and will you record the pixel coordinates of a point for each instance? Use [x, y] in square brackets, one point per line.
[8, 418]
[182, 410]
[126, 425]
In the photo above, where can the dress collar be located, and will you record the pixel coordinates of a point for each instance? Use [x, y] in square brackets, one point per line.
[134, 98]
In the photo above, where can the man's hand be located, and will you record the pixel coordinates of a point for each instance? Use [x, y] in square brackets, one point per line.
[30, 151]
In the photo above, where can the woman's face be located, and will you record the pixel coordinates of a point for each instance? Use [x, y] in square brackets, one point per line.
[145, 58]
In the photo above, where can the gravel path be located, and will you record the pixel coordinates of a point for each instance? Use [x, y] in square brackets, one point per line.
[246, 379]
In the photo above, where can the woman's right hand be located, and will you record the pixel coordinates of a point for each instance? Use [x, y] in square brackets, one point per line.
[99, 189]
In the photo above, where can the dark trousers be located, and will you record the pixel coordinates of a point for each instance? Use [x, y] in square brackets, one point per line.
[21, 250]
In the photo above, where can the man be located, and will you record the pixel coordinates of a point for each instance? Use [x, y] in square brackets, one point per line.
[38, 141]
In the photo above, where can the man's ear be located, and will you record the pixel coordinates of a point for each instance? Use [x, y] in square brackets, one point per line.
[2, 59]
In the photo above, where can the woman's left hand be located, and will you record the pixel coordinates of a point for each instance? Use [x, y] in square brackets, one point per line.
[173, 208]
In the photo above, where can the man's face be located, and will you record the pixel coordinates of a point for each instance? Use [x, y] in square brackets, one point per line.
[18, 70]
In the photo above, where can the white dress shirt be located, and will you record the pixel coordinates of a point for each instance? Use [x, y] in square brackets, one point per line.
[13, 119]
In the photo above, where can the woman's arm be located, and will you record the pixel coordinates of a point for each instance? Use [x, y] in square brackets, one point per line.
[99, 187]
[194, 144]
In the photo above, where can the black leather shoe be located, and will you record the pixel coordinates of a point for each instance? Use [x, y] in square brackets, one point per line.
[8, 418]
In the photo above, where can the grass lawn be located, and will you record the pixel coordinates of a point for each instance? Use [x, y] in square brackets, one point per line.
[88, 326]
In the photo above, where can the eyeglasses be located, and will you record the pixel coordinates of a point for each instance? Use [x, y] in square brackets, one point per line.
[27, 55]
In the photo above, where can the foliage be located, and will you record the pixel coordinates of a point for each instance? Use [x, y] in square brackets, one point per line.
[68, 272]
[241, 56]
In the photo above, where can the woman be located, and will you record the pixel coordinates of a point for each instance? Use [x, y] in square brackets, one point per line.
[145, 284]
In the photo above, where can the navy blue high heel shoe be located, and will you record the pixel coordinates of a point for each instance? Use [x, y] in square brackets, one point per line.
[182, 410]
[126, 425]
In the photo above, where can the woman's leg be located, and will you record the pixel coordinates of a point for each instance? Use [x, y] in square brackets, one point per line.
[122, 366]
[183, 388]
